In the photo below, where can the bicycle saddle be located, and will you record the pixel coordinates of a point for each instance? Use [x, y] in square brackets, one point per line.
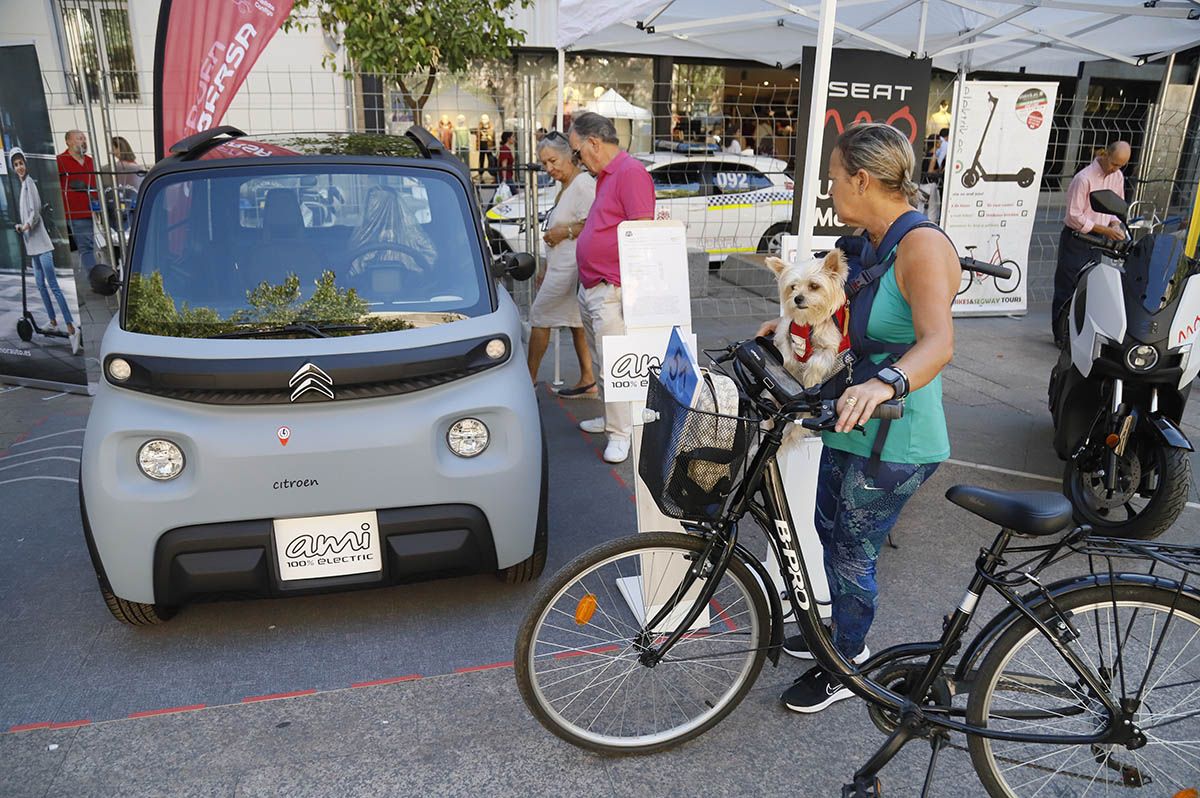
[1026, 512]
[971, 249]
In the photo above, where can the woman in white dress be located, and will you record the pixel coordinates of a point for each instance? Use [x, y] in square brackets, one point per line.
[556, 304]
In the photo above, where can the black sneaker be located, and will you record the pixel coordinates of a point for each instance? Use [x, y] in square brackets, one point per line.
[814, 691]
[795, 646]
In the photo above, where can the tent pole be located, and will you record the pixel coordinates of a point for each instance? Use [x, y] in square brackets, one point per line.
[920, 53]
[558, 120]
[811, 184]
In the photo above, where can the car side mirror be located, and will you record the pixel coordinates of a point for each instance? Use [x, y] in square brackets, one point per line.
[517, 265]
[104, 280]
[1107, 201]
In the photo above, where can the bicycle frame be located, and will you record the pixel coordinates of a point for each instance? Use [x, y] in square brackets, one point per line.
[774, 515]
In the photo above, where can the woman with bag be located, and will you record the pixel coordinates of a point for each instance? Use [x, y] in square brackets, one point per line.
[902, 335]
[40, 248]
[556, 304]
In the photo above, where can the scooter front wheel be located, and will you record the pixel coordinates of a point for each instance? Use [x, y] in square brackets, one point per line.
[25, 330]
[1152, 489]
[970, 178]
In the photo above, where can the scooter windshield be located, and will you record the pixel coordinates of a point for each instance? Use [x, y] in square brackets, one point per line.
[1155, 269]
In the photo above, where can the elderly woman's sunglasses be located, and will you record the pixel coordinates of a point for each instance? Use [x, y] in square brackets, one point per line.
[575, 156]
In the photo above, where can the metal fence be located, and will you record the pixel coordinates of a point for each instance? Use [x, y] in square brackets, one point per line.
[720, 145]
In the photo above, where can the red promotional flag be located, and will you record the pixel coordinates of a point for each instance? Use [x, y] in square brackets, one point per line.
[204, 51]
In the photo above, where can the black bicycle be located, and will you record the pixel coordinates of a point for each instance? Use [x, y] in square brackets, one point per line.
[1082, 686]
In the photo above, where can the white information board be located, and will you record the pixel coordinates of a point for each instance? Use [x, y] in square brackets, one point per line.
[994, 174]
[654, 274]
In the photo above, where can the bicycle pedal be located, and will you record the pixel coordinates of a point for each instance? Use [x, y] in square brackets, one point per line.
[859, 790]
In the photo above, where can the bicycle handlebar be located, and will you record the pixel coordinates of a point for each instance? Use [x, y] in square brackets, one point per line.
[995, 270]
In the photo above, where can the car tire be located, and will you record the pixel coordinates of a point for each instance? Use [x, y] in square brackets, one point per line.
[770, 238]
[530, 569]
[133, 613]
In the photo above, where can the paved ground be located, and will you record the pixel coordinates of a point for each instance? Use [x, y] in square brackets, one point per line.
[82, 694]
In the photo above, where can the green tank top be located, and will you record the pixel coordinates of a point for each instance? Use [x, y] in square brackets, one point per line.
[920, 436]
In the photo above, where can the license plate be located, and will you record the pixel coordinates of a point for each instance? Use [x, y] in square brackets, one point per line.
[327, 545]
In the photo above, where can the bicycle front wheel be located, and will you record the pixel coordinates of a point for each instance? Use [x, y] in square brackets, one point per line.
[578, 652]
[1144, 644]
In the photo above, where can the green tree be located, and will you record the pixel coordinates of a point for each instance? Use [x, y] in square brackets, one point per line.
[406, 41]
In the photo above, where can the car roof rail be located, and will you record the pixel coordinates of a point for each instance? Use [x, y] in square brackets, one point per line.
[429, 143]
[185, 146]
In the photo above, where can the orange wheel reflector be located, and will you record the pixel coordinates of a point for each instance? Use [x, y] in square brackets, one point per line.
[1190, 792]
[1112, 440]
[585, 609]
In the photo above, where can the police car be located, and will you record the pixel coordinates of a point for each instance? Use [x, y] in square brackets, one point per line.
[730, 203]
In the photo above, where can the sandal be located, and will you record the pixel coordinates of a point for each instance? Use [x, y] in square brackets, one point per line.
[581, 392]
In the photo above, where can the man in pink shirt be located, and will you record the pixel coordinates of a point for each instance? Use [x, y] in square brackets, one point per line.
[624, 191]
[1073, 254]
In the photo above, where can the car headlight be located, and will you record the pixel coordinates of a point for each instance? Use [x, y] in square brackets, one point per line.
[1142, 358]
[160, 459]
[119, 369]
[468, 437]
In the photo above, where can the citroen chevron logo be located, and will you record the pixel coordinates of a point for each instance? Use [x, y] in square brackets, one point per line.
[310, 378]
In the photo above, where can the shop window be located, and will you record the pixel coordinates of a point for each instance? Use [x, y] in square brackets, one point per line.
[96, 42]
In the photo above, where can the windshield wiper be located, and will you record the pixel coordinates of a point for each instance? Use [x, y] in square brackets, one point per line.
[316, 330]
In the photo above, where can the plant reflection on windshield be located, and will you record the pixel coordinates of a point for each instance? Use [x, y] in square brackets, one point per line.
[151, 310]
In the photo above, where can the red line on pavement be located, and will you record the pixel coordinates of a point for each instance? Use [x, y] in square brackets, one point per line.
[582, 651]
[168, 711]
[493, 666]
[70, 724]
[620, 479]
[392, 680]
[724, 616]
[30, 726]
[273, 696]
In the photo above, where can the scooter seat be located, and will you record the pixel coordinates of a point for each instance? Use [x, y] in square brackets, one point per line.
[1026, 512]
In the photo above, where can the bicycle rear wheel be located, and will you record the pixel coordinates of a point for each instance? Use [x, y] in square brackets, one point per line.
[577, 655]
[1145, 646]
[1006, 285]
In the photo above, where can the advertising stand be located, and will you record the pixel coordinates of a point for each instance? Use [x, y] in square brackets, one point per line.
[656, 299]
[997, 152]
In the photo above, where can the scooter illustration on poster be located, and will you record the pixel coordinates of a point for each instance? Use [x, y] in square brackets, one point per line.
[976, 172]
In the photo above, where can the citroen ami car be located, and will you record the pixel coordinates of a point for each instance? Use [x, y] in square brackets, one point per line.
[316, 381]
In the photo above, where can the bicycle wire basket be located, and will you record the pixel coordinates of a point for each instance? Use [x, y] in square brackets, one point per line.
[692, 459]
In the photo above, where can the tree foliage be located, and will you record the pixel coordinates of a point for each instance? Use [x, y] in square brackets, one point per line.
[403, 39]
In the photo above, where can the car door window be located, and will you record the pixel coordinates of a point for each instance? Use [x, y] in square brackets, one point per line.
[736, 178]
[678, 181]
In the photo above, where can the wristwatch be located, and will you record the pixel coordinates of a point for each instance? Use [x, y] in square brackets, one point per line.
[896, 378]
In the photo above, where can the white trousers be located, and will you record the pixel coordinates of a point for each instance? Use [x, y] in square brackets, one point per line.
[600, 307]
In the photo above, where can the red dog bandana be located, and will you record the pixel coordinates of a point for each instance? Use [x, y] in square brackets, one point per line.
[802, 333]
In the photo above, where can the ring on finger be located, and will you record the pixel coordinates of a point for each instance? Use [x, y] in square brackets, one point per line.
[852, 401]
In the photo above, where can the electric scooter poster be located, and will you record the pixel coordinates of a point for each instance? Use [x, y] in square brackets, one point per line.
[997, 152]
[40, 326]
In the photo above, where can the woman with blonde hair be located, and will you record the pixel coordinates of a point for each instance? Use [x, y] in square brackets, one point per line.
[903, 334]
[556, 303]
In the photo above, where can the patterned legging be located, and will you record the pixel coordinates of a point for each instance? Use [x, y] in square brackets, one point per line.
[854, 515]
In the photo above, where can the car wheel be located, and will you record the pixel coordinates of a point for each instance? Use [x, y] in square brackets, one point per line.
[134, 613]
[771, 242]
[531, 568]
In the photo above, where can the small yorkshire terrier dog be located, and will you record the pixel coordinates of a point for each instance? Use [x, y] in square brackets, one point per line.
[814, 330]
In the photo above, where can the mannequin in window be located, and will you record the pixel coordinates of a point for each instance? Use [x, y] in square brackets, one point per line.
[941, 117]
[445, 132]
[486, 144]
[462, 139]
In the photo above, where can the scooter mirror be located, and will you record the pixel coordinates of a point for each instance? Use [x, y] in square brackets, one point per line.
[519, 266]
[1106, 201]
[103, 280]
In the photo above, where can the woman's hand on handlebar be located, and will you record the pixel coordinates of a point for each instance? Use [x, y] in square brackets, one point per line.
[767, 330]
[858, 402]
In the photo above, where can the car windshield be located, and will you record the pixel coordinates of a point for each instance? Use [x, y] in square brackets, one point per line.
[315, 250]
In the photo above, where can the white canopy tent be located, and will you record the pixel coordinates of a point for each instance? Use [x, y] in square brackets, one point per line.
[614, 106]
[1043, 36]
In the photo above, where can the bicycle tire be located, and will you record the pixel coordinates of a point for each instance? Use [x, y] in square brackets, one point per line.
[537, 656]
[1009, 284]
[1086, 607]
[965, 281]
